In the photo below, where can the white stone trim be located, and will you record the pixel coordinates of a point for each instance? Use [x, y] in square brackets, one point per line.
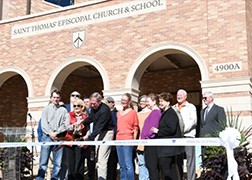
[246, 121]
[151, 54]
[242, 103]
[117, 94]
[41, 101]
[63, 70]
[233, 85]
[7, 72]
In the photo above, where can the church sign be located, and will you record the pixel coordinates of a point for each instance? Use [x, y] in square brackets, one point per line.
[85, 18]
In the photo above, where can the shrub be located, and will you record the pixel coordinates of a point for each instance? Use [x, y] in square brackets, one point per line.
[215, 165]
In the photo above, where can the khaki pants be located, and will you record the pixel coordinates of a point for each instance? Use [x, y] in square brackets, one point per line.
[103, 153]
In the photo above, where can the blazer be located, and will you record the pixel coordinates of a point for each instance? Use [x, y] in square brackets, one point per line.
[216, 117]
[68, 107]
[169, 128]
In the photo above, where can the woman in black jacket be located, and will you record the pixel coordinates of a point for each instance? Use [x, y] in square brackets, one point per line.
[171, 159]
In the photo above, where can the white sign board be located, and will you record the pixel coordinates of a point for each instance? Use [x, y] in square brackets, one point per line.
[123, 10]
[227, 67]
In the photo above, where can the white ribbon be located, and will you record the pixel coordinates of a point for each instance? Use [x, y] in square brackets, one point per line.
[229, 139]
[149, 142]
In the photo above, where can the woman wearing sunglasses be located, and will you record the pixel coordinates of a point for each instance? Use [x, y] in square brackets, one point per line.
[74, 153]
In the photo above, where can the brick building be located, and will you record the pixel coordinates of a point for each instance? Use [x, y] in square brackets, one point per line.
[125, 46]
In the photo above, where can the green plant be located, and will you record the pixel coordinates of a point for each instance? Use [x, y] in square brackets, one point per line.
[20, 155]
[214, 163]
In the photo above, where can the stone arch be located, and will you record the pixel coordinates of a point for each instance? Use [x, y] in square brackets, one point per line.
[60, 74]
[7, 72]
[151, 54]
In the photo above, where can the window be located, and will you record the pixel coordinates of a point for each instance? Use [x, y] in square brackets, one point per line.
[62, 3]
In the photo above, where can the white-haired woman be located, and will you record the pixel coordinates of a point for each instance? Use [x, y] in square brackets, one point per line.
[74, 153]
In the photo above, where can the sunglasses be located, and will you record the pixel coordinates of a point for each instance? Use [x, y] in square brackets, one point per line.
[204, 98]
[75, 95]
[76, 105]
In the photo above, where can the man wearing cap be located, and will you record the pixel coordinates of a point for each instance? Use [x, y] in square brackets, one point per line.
[113, 159]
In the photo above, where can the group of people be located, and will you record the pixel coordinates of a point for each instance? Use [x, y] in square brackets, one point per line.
[97, 119]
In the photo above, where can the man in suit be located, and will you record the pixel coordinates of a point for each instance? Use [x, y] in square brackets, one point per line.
[73, 96]
[212, 118]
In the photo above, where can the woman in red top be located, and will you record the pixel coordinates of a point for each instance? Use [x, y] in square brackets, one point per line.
[127, 129]
[75, 154]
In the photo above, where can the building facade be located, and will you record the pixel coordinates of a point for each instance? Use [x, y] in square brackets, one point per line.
[116, 46]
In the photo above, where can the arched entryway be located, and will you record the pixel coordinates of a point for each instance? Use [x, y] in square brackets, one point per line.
[156, 52]
[15, 86]
[82, 74]
[169, 67]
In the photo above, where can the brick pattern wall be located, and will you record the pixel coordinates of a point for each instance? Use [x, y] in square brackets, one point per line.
[13, 107]
[216, 30]
[117, 44]
[249, 32]
[12, 9]
[170, 81]
[227, 37]
[84, 86]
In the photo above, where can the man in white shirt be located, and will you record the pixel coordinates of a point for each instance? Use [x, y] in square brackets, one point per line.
[189, 115]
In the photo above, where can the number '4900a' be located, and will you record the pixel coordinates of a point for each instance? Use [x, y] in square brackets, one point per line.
[227, 67]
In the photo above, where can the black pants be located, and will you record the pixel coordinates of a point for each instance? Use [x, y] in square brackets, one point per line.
[151, 161]
[75, 162]
[90, 163]
[171, 167]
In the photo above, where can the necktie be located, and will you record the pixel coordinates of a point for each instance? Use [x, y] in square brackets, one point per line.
[206, 112]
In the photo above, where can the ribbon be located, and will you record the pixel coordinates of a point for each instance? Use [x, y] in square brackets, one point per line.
[229, 138]
[145, 142]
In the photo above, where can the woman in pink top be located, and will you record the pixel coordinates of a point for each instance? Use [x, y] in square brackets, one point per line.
[127, 129]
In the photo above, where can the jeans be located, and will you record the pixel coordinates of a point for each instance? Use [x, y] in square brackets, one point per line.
[143, 171]
[126, 162]
[44, 157]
